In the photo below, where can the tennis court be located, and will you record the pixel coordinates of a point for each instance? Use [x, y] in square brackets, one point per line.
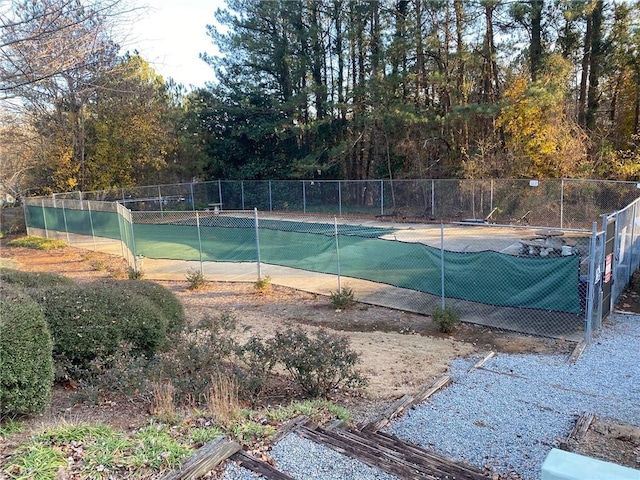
[480, 269]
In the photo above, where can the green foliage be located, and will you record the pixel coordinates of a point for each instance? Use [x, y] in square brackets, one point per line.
[37, 243]
[196, 280]
[89, 322]
[134, 273]
[33, 279]
[258, 358]
[165, 300]
[318, 365]
[318, 410]
[26, 375]
[9, 426]
[343, 299]
[104, 453]
[263, 284]
[446, 318]
[196, 355]
[158, 449]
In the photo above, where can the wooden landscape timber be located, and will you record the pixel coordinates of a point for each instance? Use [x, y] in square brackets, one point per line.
[390, 454]
[258, 466]
[578, 432]
[403, 403]
[205, 459]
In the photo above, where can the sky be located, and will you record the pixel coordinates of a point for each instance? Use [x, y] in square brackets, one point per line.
[170, 34]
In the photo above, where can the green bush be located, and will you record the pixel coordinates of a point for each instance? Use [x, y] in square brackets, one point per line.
[195, 279]
[318, 365]
[26, 366]
[142, 323]
[258, 358]
[445, 318]
[89, 322]
[33, 279]
[79, 322]
[161, 297]
[196, 355]
[343, 299]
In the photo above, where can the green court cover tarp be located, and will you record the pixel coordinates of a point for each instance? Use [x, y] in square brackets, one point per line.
[487, 277]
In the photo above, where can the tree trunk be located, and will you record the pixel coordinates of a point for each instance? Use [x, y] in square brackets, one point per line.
[584, 76]
[535, 53]
[593, 92]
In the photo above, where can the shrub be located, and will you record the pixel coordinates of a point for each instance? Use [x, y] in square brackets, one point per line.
[446, 319]
[343, 299]
[26, 373]
[89, 322]
[258, 358]
[134, 274]
[79, 323]
[161, 297]
[38, 243]
[200, 350]
[141, 322]
[263, 284]
[318, 365]
[195, 279]
[33, 279]
[121, 371]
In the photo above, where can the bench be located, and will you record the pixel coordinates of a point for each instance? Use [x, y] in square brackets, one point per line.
[216, 207]
[561, 465]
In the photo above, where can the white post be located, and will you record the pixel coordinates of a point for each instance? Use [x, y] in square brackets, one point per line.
[442, 302]
[335, 228]
[44, 218]
[93, 233]
[255, 212]
[199, 242]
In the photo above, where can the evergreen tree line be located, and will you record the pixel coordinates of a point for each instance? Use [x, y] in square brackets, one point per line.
[330, 89]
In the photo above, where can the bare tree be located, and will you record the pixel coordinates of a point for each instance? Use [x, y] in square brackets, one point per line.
[42, 40]
[16, 157]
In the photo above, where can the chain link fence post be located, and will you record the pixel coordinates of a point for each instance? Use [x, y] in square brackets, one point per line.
[93, 233]
[199, 242]
[335, 229]
[304, 197]
[442, 283]
[255, 213]
[44, 219]
[592, 284]
[66, 228]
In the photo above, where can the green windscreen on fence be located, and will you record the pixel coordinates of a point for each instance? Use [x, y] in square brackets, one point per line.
[487, 277]
[82, 222]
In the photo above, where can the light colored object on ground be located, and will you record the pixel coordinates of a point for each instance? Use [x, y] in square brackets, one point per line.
[561, 465]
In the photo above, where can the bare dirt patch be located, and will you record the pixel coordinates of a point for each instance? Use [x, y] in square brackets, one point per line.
[611, 441]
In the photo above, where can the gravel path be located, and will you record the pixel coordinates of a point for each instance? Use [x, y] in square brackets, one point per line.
[506, 415]
[510, 413]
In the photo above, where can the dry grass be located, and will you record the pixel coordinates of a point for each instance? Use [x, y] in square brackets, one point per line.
[222, 399]
[163, 406]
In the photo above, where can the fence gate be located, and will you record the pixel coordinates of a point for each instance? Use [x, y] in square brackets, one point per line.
[607, 281]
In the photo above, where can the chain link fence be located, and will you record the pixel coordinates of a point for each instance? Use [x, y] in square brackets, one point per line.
[537, 280]
[557, 203]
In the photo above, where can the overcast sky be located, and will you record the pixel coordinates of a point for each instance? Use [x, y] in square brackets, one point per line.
[170, 34]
